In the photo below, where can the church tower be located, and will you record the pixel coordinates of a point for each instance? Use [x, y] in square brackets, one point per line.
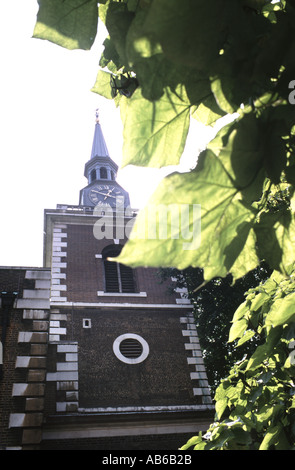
[101, 172]
[108, 357]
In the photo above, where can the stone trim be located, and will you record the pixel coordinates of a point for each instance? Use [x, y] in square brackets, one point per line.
[118, 304]
[66, 377]
[147, 409]
[101, 293]
[55, 328]
[35, 303]
[59, 254]
[195, 359]
[183, 293]
[131, 430]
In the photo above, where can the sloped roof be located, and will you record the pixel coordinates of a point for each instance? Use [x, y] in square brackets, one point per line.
[99, 146]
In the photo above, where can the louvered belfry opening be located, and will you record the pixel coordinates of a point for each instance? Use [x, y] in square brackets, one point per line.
[118, 277]
[111, 276]
[131, 348]
[127, 278]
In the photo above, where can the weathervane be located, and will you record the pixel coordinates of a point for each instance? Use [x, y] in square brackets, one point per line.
[97, 115]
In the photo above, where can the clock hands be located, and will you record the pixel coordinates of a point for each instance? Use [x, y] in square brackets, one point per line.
[104, 194]
[109, 193]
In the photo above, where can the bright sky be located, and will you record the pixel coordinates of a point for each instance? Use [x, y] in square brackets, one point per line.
[47, 114]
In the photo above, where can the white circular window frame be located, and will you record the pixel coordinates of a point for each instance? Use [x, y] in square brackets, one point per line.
[137, 360]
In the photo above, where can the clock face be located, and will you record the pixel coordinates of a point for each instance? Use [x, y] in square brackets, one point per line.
[106, 194]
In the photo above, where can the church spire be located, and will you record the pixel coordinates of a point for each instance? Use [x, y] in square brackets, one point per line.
[99, 147]
[101, 172]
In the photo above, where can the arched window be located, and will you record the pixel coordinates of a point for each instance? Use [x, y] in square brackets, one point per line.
[118, 277]
[103, 173]
[92, 175]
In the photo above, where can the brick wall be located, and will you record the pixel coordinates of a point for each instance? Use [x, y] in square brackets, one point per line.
[85, 272]
[85, 380]
[162, 379]
[13, 280]
[10, 437]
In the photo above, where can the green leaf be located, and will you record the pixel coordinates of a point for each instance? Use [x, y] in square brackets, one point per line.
[195, 440]
[71, 23]
[221, 399]
[102, 85]
[227, 240]
[118, 21]
[264, 351]
[191, 33]
[155, 132]
[240, 312]
[222, 185]
[248, 335]
[282, 311]
[258, 301]
[208, 111]
[275, 152]
[276, 239]
[109, 57]
[221, 95]
[271, 437]
[238, 329]
[242, 157]
[155, 72]
[153, 75]
[140, 44]
[241, 436]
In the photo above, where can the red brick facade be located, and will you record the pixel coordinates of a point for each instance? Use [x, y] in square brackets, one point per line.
[85, 271]
[86, 378]
[66, 384]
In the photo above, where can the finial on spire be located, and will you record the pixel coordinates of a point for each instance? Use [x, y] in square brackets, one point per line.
[99, 148]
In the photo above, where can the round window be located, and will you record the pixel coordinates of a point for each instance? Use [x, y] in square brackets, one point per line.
[130, 348]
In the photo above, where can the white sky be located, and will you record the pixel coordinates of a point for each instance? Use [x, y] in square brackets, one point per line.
[47, 119]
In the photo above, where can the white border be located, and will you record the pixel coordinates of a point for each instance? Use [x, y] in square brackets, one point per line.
[119, 355]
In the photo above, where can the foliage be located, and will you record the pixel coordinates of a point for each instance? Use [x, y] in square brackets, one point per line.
[215, 303]
[165, 62]
[256, 400]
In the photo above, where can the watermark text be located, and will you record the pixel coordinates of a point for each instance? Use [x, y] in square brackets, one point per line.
[156, 222]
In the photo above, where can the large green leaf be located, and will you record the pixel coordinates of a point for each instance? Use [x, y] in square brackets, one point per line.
[155, 132]
[223, 185]
[282, 311]
[118, 20]
[208, 111]
[102, 85]
[191, 33]
[227, 238]
[155, 72]
[69, 23]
